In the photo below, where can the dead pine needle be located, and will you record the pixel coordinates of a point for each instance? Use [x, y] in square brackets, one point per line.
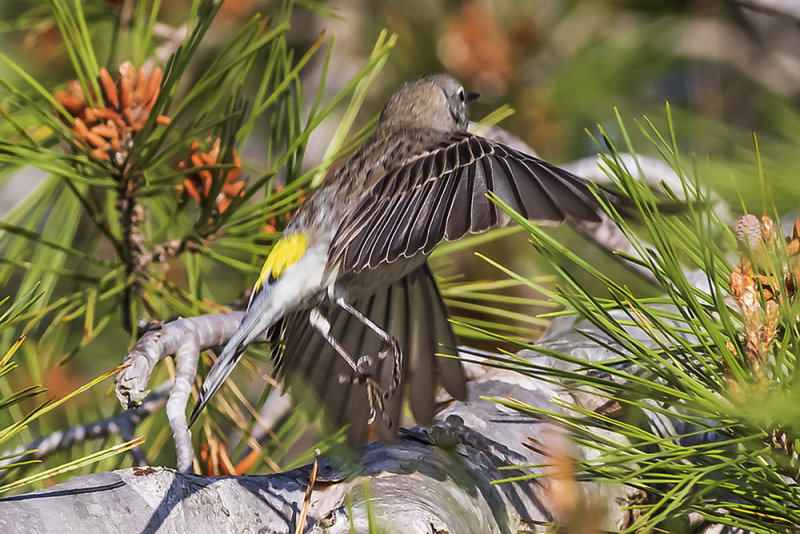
[301, 521]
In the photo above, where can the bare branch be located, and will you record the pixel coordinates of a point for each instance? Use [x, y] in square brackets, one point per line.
[123, 424]
[184, 339]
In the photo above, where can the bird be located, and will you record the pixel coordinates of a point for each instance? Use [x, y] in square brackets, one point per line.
[346, 296]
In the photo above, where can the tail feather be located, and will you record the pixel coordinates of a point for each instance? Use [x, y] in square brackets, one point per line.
[335, 369]
[256, 320]
[411, 310]
[449, 370]
[421, 354]
[219, 372]
[399, 325]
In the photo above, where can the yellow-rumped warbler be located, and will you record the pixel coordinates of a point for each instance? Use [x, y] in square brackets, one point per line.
[351, 305]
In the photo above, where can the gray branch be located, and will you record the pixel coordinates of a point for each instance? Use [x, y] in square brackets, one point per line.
[184, 338]
[435, 479]
[123, 424]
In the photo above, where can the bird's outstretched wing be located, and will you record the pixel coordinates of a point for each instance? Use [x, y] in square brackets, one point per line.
[440, 194]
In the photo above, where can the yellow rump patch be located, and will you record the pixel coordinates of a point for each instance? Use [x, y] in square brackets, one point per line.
[286, 252]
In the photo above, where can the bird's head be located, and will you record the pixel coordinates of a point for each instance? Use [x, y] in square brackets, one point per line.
[437, 101]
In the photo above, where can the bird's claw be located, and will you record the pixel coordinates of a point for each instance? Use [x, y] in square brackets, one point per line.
[365, 373]
[365, 364]
[392, 349]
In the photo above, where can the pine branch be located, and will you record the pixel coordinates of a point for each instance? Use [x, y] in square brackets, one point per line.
[130, 216]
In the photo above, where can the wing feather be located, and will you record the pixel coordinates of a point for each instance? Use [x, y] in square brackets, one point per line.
[381, 237]
[440, 193]
[399, 241]
[438, 223]
[416, 236]
[534, 194]
[481, 205]
[460, 217]
[506, 188]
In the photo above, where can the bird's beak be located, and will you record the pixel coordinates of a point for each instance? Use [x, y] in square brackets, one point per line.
[472, 96]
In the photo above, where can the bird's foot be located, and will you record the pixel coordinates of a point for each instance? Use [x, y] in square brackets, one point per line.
[376, 404]
[367, 369]
[375, 393]
[392, 349]
[379, 395]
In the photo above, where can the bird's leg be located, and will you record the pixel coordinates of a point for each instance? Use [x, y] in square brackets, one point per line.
[321, 324]
[392, 347]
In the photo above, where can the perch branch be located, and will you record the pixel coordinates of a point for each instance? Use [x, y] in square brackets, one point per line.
[184, 338]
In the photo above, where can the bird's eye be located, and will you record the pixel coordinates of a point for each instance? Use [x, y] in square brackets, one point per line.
[461, 94]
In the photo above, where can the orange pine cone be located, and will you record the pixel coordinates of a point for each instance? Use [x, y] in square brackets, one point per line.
[107, 131]
[198, 183]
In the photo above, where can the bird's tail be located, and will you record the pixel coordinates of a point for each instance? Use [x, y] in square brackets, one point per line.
[257, 319]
